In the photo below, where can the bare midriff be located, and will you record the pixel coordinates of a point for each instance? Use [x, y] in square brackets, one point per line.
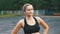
[36, 33]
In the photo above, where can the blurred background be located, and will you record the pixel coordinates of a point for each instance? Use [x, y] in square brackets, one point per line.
[11, 12]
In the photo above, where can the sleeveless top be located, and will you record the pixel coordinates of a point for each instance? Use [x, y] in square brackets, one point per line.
[31, 29]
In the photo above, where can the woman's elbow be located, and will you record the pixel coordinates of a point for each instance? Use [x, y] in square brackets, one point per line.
[47, 28]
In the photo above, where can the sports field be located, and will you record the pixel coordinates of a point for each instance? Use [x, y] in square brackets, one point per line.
[7, 24]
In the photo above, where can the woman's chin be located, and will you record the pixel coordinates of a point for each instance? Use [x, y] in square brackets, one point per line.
[30, 15]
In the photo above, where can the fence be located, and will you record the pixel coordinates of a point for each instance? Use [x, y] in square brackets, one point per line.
[36, 12]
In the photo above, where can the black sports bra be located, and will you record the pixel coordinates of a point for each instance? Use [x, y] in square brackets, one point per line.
[31, 29]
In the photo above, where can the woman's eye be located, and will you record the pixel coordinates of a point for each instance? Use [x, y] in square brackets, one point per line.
[31, 9]
[28, 10]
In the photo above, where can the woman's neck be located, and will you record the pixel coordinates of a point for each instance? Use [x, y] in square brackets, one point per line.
[29, 17]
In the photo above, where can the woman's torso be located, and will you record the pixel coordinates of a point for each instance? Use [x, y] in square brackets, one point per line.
[31, 29]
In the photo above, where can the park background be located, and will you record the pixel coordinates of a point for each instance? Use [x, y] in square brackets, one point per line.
[11, 12]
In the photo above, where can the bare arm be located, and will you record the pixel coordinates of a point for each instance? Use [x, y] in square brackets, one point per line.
[16, 28]
[45, 26]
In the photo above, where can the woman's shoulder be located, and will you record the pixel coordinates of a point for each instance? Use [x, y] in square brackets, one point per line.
[37, 17]
[21, 21]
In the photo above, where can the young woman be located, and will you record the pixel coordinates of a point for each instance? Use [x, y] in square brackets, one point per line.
[30, 24]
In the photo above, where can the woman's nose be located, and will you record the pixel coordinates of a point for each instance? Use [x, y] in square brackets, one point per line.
[30, 11]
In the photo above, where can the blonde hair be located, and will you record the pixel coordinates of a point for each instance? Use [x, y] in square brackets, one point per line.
[25, 5]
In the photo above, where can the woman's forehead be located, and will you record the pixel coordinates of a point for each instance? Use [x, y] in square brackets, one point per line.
[29, 7]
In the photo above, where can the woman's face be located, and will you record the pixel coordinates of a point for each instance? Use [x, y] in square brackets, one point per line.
[29, 10]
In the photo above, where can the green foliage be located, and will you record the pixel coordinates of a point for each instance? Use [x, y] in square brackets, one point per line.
[38, 4]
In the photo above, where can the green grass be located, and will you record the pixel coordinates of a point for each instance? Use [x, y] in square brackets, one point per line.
[10, 15]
